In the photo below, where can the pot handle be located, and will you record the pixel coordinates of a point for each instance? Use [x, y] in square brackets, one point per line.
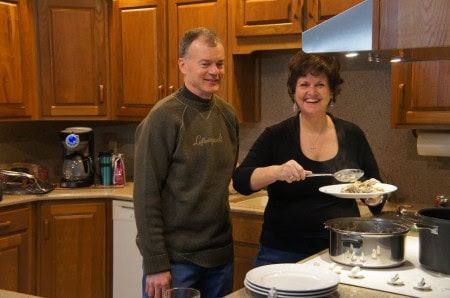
[414, 221]
[355, 242]
[433, 229]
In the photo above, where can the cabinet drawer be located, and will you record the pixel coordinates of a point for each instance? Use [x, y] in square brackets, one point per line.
[14, 220]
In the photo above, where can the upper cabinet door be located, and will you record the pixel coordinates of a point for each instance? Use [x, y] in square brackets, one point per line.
[138, 56]
[414, 24]
[18, 77]
[187, 14]
[74, 58]
[421, 94]
[267, 17]
[322, 10]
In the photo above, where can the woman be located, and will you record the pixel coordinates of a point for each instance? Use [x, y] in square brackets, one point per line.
[313, 141]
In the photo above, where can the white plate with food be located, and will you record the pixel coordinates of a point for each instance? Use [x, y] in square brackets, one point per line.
[358, 190]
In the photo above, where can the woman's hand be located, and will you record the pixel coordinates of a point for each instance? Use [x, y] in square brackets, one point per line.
[291, 171]
[376, 200]
[373, 201]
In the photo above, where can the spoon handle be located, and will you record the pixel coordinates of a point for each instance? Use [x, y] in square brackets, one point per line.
[319, 175]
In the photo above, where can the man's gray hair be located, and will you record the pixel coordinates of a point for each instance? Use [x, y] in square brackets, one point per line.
[209, 37]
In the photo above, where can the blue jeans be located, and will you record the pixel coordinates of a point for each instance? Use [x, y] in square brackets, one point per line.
[211, 282]
[267, 256]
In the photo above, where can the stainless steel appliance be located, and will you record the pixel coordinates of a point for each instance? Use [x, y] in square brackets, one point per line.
[127, 261]
[78, 149]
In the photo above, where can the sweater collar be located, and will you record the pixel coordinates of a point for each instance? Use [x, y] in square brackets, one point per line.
[195, 100]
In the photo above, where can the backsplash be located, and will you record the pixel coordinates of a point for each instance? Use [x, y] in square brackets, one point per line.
[364, 100]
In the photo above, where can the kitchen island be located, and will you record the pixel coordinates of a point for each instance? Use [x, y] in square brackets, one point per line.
[342, 291]
[241, 206]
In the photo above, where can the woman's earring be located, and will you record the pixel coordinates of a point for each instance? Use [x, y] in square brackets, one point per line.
[294, 107]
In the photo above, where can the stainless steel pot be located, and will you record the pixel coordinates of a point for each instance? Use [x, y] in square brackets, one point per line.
[367, 242]
[434, 246]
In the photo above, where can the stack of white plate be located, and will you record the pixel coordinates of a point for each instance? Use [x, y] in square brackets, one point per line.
[292, 280]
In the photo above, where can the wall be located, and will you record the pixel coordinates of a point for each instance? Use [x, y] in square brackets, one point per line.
[39, 142]
[365, 100]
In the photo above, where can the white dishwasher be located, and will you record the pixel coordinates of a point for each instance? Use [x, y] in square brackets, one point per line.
[127, 261]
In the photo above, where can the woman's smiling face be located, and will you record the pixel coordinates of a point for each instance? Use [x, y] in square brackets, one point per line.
[313, 94]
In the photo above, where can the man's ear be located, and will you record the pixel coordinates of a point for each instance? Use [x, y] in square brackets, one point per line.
[182, 65]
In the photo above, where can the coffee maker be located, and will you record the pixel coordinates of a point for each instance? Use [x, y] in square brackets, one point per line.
[78, 149]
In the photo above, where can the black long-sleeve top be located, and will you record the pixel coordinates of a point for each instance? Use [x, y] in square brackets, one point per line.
[295, 214]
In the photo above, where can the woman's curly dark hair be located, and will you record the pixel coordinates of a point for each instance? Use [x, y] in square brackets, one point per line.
[302, 64]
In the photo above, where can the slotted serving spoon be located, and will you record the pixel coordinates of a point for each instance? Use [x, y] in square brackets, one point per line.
[345, 175]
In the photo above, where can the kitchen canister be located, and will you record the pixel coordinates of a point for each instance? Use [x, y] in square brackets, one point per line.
[105, 163]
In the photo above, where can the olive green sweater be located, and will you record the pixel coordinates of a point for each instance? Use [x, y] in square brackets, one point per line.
[185, 152]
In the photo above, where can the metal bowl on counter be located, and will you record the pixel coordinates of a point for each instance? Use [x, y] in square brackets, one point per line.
[367, 242]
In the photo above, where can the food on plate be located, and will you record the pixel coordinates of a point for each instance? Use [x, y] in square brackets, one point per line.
[367, 186]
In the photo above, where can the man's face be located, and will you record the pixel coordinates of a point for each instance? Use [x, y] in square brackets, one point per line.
[203, 68]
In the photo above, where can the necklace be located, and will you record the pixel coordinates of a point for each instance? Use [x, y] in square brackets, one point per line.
[313, 146]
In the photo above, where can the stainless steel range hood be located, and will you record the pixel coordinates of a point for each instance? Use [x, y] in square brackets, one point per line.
[349, 31]
[411, 29]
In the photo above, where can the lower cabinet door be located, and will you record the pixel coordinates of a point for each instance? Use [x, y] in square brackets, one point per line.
[72, 250]
[14, 260]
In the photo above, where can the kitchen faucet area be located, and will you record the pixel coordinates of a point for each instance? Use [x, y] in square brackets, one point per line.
[94, 69]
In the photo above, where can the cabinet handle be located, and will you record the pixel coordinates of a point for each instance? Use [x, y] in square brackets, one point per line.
[46, 229]
[100, 93]
[171, 89]
[5, 224]
[401, 95]
[160, 92]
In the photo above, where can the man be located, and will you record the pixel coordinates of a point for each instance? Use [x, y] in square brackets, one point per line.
[185, 152]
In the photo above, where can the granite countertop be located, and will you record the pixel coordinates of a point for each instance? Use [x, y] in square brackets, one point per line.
[113, 192]
[252, 204]
[9, 294]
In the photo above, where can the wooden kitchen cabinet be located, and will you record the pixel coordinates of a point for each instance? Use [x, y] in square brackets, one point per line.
[322, 10]
[73, 43]
[73, 249]
[17, 249]
[144, 50]
[401, 19]
[265, 25]
[18, 69]
[262, 17]
[420, 94]
[246, 232]
[138, 56]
